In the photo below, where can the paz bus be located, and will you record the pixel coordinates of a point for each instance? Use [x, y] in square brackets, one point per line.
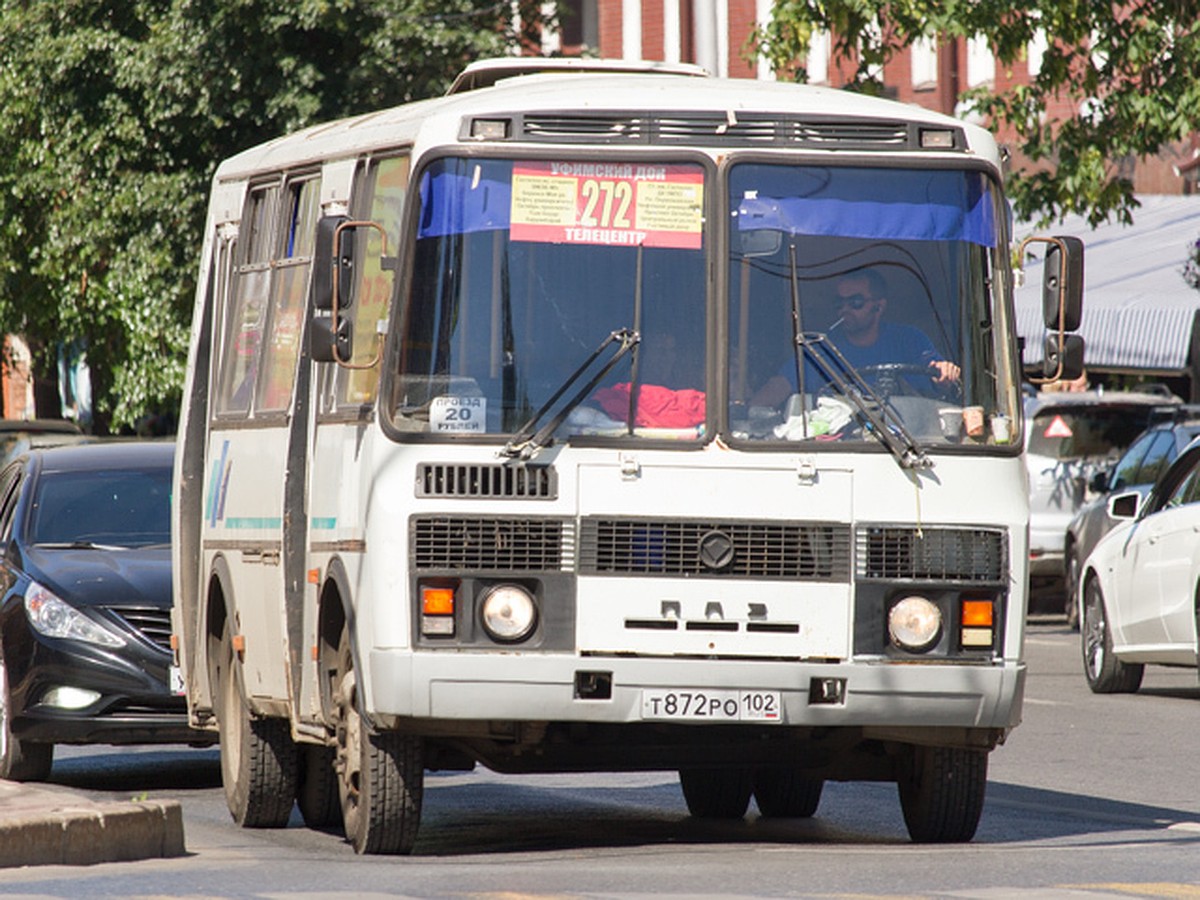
[478, 466]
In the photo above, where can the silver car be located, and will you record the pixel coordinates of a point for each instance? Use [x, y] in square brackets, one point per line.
[1070, 437]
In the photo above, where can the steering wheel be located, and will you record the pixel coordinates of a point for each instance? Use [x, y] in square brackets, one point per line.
[889, 379]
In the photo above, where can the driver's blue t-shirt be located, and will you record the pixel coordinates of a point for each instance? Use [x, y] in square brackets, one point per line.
[897, 343]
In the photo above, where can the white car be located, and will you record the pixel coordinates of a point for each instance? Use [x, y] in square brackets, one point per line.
[1140, 586]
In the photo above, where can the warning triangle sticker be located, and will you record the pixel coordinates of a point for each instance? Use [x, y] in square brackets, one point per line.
[1058, 428]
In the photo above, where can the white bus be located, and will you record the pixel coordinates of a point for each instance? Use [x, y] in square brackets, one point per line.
[540, 426]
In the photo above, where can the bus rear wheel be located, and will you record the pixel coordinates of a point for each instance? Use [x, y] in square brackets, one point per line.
[317, 788]
[716, 793]
[941, 793]
[380, 774]
[785, 793]
[258, 757]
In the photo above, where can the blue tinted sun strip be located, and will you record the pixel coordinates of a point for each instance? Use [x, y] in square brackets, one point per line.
[459, 204]
[934, 206]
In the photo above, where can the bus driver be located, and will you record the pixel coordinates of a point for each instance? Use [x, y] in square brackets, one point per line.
[865, 339]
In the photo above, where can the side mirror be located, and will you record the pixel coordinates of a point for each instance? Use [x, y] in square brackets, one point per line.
[333, 262]
[328, 342]
[1062, 284]
[1125, 506]
[1098, 483]
[1062, 357]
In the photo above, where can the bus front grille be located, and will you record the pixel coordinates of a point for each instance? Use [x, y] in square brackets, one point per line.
[803, 551]
[906, 553]
[490, 544]
[492, 480]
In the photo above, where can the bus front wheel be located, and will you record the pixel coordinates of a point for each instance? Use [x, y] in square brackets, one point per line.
[258, 757]
[941, 793]
[380, 773]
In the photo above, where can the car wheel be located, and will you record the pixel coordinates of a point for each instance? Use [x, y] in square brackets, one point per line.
[258, 757]
[1071, 578]
[941, 793]
[784, 793]
[716, 793]
[381, 774]
[1105, 673]
[19, 760]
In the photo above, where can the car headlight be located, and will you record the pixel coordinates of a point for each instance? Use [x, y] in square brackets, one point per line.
[50, 615]
[508, 612]
[915, 623]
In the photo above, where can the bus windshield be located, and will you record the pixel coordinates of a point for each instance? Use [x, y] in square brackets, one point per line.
[863, 299]
[523, 269]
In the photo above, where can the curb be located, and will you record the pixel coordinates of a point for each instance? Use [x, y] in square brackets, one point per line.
[41, 827]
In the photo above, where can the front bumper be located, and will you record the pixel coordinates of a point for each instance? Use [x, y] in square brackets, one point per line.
[876, 693]
[134, 703]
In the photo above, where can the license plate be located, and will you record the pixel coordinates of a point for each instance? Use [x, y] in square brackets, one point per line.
[711, 705]
[175, 676]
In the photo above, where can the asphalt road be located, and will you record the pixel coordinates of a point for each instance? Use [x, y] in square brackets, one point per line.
[1091, 796]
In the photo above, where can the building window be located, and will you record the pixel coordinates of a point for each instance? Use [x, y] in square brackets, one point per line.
[981, 64]
[818, 58]
[924, 62]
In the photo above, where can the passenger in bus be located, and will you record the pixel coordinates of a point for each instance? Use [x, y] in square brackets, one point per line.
[670, 391]
[865, 338]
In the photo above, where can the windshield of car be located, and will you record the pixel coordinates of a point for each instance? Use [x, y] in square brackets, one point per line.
[522, 268]
[1085, 432]
[109, 508]
[894, 279]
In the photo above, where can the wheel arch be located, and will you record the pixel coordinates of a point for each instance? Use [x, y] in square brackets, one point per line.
[218, 610]
[335, 612]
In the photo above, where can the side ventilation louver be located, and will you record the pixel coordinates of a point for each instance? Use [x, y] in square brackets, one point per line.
[494, 481]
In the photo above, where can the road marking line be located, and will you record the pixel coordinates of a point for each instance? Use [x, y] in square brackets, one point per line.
[1146, 889]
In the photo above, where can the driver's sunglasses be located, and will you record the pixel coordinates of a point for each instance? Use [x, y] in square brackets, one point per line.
[854, 301]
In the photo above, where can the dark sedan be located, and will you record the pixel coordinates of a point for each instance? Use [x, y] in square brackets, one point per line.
[85, 619]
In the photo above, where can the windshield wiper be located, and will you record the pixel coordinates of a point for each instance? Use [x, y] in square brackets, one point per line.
[884, 421]
[525, 443]
[853, 387]
[76, 545]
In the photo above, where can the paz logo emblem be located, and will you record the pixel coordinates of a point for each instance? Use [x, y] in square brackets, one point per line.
[716, 550]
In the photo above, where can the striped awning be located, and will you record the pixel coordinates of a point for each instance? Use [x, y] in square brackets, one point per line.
[1138, 312]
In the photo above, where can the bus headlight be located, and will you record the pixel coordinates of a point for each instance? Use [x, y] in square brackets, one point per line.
[508, 612]
[914, 624]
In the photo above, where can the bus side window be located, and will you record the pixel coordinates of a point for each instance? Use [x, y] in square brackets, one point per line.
[242, 328]
[379, 197]
[289, 291]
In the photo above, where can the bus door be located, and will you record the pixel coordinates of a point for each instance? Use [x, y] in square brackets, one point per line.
[339, 474]
[259, 339]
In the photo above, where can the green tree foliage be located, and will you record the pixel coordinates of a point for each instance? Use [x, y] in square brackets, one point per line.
[115, 115]
[1131, 71]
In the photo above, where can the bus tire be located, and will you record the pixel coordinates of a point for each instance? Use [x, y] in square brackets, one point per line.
[716, 793]
[317, 787]
[784, 793]
[941, 793]
[258, 757]
[381, 775]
